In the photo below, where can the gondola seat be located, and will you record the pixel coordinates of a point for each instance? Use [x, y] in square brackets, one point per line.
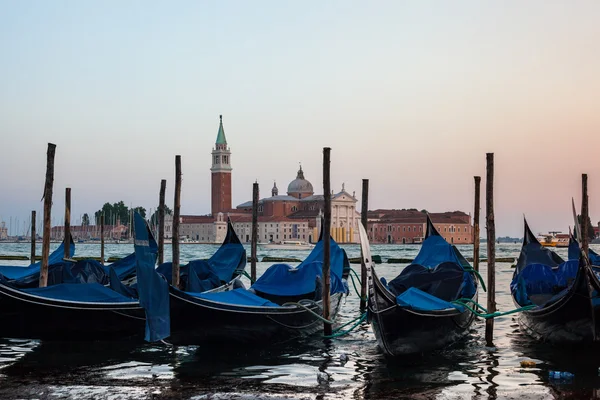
[539, 284]
[446, 281]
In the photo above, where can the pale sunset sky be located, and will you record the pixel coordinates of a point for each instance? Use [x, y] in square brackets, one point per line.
[409, 94]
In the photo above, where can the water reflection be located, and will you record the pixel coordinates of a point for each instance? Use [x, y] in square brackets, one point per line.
[347, 367]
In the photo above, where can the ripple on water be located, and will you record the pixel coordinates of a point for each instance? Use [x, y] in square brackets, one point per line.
[348, 367]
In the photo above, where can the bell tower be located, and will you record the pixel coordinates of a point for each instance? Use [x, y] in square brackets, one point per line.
[221, 174]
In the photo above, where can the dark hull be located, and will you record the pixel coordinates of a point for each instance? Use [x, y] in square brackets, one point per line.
[195, 320]
[400, 331]
[570, 319]
[32, 317]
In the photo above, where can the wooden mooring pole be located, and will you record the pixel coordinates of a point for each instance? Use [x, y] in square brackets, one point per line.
[33, 237]
[327, 328]
[47, 210]
[161, 222]
[491, 249]
[254, 231]
[476, 223]
[363, 268]
[67, 239]
[102, 239]
[584, 216]
[176, 213]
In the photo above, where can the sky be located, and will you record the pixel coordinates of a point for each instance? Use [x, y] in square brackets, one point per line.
[408, 94]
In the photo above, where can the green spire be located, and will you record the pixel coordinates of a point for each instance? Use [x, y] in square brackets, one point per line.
[221, 135]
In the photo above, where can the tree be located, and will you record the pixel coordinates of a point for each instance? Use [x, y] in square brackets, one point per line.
[85, 220]
[141, 211]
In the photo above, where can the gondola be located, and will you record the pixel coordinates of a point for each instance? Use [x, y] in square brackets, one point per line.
[31, 273]
[283, 304]
[562, 292]
[89, 311]
[62, 270]
[415, 312]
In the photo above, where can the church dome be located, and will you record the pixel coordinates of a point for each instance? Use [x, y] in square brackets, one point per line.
[300, 187]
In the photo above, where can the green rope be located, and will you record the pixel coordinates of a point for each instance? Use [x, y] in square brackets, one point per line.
[338, 332]
[485, 314]
[470, 269]
[355, 288]
[356, 274]
[310, 311]
[248, 276]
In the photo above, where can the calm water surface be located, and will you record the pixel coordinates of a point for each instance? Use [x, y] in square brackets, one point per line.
[351, 367]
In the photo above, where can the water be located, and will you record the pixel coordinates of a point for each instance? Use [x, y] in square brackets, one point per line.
[348, 367]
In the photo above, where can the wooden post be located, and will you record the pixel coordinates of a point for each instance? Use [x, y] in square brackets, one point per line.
[102, 239]
[254, 231]
[176, 209]
[33, 237]
[491, 249]
[67, 240]
[161, 222]
[584, 216]
[47, 210]
[363, 268]
[327, 328]
[476, 223]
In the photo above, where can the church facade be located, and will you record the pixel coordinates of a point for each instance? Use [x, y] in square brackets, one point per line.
[293, 216]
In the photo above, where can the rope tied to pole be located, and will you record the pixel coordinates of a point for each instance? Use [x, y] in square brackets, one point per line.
[478, 308]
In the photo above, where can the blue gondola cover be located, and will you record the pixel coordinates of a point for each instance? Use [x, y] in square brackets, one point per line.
[418, 300]
[14, 273]
[153, 289]
[241, 297]
[90, 293]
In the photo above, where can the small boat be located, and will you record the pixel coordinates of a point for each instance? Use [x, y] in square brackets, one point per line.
[283, 304]
[287, 245]
[417, 311]
[562, 292]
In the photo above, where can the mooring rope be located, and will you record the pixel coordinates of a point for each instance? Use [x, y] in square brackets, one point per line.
[248, 276]
[354, 283]
[486, 314]
[338, 331]
[470, 269]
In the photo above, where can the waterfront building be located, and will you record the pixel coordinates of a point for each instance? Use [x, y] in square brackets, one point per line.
[408, 226]
[293, 216]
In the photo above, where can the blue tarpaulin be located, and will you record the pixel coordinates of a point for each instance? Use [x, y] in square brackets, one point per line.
[227, 262]
[12, 272]
[438, 271]
[541, 279]
[285, 280]
[237, 296]
[416, 299]
[575, 251]
[152, 288]
[88, 293]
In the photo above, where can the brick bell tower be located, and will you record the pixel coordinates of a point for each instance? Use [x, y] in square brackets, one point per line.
[221, 174]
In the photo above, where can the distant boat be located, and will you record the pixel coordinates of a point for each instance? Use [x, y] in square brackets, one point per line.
[287, 245]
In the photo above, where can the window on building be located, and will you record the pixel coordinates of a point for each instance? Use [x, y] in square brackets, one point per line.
[444, 229]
